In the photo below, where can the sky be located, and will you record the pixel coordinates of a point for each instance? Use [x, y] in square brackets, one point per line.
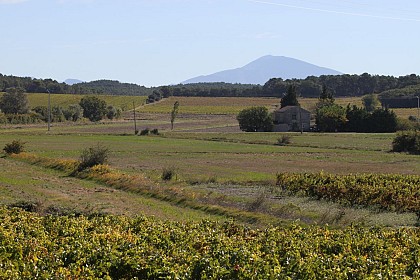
[160, 42]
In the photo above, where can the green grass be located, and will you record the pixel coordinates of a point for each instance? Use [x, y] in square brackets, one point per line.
[239, 157]
[350, 141]
[23, 182]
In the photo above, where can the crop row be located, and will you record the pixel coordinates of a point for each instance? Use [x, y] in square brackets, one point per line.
[117, 247]
[391, 192]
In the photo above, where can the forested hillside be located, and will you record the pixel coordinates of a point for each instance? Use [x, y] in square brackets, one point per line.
[32, 85]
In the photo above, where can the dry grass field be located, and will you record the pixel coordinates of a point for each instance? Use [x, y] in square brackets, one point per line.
[64, 100]
[229, 105]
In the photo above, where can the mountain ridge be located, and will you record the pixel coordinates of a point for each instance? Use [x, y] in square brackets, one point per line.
[71, 82]
[264, 68]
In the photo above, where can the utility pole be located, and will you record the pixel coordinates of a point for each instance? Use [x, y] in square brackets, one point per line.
[49, 110]
[135, 122]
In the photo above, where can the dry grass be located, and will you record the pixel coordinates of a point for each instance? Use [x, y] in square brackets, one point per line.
[64, 100]
[208, 105]
[231, 105]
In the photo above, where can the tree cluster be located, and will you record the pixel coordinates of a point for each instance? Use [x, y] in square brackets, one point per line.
[329, 117]
[332, 117]
[14, 101]
[341, 85]
[14, 107]
[110, 87]
[95, 109]
[255, 119]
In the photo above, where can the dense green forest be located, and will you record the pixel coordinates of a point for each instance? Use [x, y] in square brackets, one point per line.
[340, 85]
[109, 87]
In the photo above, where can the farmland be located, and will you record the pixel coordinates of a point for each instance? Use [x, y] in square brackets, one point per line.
[229, 178]
[143, 248]
[64, 100]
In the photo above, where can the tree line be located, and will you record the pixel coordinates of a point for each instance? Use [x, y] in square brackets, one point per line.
[109, 87]
[340, 85]
[15, 109]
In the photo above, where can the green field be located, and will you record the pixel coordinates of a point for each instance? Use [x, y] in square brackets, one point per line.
[55, 191]
[235, 164]
[207, 148]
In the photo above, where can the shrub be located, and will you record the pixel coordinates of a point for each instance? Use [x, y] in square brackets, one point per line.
[412, 118]
[93, 156]
[73, 113]
[145, 131]
[168, 173]
[257, 203]
[407, 141]
[16, 147]
[113, 112]
[407, 124]
[284, 140]
[29, 206]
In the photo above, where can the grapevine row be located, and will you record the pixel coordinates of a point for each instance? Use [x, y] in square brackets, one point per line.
[391, 192]
[111, 247]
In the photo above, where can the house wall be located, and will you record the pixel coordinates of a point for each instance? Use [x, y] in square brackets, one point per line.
[292, 119]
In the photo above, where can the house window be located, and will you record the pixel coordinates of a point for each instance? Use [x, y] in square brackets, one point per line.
[294, 117]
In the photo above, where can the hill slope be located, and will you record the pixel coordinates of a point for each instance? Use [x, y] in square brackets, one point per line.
[261, 70]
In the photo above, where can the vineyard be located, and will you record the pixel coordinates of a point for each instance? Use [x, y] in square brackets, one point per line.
[390, 192]
[239, 206]
[107, 247]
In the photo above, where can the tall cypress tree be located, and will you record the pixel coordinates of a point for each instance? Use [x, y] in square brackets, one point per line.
[290, 99]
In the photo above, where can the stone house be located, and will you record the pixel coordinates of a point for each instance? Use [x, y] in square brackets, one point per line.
[291, 118]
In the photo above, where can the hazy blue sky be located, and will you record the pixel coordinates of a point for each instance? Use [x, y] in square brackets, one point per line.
[156, 42]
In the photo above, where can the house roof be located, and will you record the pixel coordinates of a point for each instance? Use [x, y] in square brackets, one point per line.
[287, 108]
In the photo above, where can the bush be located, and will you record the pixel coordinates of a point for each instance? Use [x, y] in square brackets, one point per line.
[29, 206]
[406, 124]
[284, 140]
[407, 141]
[16, 147]
[168, 173]
[73, 113]
[145, 131]
[255, 119]
[93, 156]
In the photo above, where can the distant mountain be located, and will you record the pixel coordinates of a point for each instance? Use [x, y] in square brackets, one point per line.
[71, 82]
[261, 70]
